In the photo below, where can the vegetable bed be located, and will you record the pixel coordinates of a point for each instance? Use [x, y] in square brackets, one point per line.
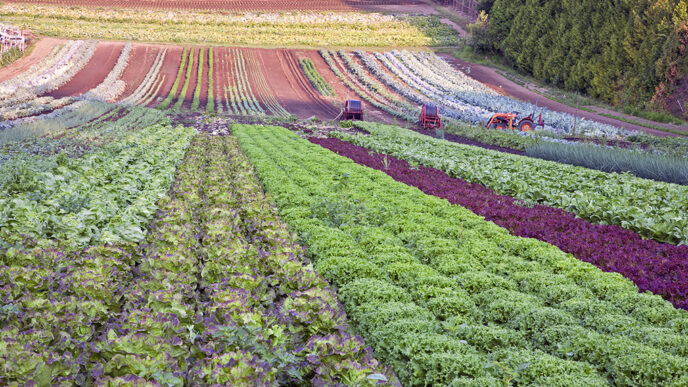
[445, 297]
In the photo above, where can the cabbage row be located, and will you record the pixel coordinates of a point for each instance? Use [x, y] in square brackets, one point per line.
[217, 294]
[653, 209]
[107, 195]
[446, 298]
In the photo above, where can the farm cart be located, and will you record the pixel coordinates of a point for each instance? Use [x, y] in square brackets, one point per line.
[430, 117]
[501, 121]
[353, 110]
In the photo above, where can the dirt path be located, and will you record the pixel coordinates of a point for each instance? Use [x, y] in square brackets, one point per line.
[169, 69]
[205, 81]
[491, 78]
[94, 73]
[193, 78]
[141, 60]
[294, 93]
[459, 30]
[40, 50]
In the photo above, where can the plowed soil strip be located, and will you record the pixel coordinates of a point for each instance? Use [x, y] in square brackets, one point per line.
[266, 96]
[94, 73]
[288, 90]
[169, 70]
[40, 50]
[140, 61]
[220, 78]
[193, 79]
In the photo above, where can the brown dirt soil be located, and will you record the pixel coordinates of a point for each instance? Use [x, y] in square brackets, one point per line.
[292, 90]
[258, 81]
[170, 67]
[141, 60]
[193, 78]
[340, 87]
[232, 5]
[41, 49]
[94, 73]
[220, 75]
[491, 78]
[205, 81]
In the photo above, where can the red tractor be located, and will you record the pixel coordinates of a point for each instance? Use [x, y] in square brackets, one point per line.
[353, 110]
[430, 117]
[501, 121]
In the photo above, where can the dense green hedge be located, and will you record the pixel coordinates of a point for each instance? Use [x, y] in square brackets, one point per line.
[620, 51]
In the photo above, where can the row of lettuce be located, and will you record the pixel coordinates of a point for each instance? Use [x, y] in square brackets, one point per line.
[446, 298]
[653, 209]
[224, 293]
[218, 292]
[660, 268]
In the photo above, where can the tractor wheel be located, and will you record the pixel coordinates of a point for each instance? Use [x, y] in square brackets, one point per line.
[526, 126]
[500, 126]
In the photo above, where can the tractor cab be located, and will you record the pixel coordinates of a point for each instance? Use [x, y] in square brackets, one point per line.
[430, 117]
[353, 110]
[502, 121]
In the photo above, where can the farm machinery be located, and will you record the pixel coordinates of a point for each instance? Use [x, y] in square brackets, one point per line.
[430, 117]
[501, 121]
[353, 110]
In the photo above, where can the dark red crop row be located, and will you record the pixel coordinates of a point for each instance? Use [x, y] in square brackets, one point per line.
[657, 267]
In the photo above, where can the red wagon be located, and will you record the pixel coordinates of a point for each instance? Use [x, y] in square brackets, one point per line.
[430, 117]
[353, 110]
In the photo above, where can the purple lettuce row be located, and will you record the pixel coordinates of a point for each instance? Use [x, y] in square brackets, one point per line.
[149, 339]
[53, 303]
[656, 267]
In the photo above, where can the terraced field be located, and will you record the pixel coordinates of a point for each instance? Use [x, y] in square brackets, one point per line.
[196, 214]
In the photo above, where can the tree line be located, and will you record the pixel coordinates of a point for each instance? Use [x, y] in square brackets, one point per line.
[626, 52]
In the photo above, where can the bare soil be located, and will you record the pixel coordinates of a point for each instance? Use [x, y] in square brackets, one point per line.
[169, 69]
[93, 73]
[141, 60]
[291, 88]
[205, 83]
[491, 78]
[193, 79]
[40, 50]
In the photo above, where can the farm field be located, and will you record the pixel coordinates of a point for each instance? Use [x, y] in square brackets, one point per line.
[234, 5]
[259, 29]
[190, 209]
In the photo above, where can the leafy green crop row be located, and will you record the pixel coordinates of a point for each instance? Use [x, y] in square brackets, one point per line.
[316, 79]
[641, 164]
[187, 80]
[210, 105]
[653, 209]
[168, 100]
[447, 298]
[217, 294]
[199, 81]
[107, 195]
